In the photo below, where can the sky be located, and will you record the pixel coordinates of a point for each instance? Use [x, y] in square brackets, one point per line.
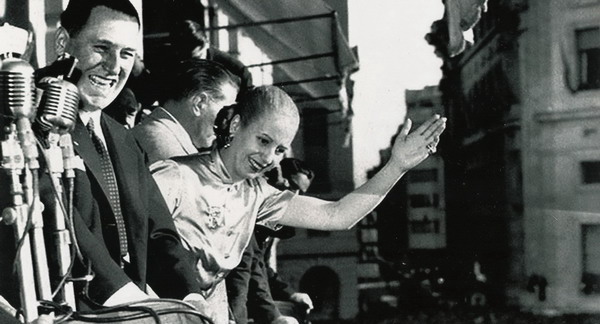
[394, 56]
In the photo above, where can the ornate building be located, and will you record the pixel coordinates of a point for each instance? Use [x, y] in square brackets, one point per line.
[522, 151]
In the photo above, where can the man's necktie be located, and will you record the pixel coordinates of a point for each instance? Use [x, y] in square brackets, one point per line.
[113, 191]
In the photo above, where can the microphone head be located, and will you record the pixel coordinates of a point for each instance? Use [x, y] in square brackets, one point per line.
[17, 88]
[58, 107]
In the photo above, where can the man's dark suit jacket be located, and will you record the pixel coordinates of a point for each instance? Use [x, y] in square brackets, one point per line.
[156, 254]
[248, 289]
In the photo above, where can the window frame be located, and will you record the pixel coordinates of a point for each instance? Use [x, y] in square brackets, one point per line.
[579, 52]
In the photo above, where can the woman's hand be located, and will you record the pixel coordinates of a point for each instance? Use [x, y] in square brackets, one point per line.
[410, 149]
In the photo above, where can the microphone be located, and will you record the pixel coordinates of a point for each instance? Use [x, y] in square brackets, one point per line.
[17, 87]
[58, 107]
[56, 116]
[59, 103]
[18, 98]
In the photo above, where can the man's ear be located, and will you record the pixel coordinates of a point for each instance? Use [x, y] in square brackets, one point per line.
[235, 124]
[61, 40]
[199, 103]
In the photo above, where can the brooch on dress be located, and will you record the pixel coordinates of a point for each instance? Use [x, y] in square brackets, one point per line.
[215, 217]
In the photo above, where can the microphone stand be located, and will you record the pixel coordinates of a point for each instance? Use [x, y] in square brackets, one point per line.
[20, 160]
[31, 187]
[18, 216]
[58, 158]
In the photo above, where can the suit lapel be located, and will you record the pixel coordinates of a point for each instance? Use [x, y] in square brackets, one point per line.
[84, 147]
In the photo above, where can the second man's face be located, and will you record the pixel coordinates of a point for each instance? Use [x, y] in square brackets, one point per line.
[105, 48]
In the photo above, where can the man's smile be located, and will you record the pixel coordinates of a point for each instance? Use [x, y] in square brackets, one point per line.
[102, 82]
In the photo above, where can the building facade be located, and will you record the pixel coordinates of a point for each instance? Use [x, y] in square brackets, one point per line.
[426, 201]
[522, 151]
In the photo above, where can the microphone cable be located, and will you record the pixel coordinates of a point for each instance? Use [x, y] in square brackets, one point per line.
[75, 249]
[28, 225]
[141, 309]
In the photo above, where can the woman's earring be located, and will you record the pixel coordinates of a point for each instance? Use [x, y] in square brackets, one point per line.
[227, 141]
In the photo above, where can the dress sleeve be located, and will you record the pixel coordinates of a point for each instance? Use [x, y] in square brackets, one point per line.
[167, 176]
[274, 205]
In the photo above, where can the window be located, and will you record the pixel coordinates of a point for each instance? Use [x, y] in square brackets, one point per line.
[425, 226]
[424, 200]
[590, 172]
[588, 56]
[316, 147]
[423, 175]
[317, 233]
[590, 277]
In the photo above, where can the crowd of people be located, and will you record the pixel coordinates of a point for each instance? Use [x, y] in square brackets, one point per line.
[166, 203]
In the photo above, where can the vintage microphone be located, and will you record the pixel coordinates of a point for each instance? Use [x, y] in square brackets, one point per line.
[19, 158]
[56, 117]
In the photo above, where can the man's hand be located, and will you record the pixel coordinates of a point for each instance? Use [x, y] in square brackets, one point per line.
[411, 148]
[304, 299]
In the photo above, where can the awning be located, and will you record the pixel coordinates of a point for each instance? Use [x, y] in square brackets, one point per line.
[304, 41]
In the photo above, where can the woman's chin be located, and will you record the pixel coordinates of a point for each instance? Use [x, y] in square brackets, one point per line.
[254, 174]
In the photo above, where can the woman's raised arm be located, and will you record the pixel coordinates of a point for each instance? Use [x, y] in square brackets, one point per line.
[409, 150]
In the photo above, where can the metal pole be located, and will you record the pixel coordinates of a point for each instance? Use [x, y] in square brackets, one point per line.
[290, 60]
[317, 79]
[316, 98]
[40, 259]
[62, 238]
[271, 22]
[17, 216]
[251, 24]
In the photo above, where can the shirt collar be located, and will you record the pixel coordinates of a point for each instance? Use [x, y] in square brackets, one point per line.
[219, 166]
[86, 115]
[95, 115]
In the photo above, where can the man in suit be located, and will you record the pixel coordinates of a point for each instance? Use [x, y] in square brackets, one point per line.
[121, 221]
[195, 92]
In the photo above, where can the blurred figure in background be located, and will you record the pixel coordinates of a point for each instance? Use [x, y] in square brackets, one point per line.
[125, 108]
[188, 40]
[296, 176]
[137, 99]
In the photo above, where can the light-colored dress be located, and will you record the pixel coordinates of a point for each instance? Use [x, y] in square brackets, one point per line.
[215, 216]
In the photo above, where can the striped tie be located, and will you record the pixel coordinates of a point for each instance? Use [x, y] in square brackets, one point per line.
[113, 191]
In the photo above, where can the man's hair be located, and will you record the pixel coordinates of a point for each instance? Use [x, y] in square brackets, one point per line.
[78, 12]
[286, 169]
[194, 76]
[291, 166]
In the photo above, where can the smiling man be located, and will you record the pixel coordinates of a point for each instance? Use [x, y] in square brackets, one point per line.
[105, 48]
[122, 223]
